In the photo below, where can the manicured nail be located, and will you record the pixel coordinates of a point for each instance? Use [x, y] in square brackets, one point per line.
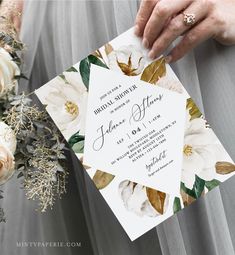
[137, 30]
[145, 43]
[152, 54]
[168, 59]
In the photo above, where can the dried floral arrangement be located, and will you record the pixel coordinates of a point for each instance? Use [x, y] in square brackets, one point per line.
[30, 145]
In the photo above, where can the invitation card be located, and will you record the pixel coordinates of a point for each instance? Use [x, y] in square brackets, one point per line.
[139, 135]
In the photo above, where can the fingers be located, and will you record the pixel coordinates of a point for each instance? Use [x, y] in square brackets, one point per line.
[145, 11]
[176, 27]
[192, 38]
[159, 16]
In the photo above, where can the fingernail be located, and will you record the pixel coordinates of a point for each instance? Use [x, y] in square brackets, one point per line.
[168, 59]
[152, 54]
[137, 30]
[145, 43]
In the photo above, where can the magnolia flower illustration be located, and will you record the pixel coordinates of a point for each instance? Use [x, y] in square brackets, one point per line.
[127, 59]
[171, 84]
[7, 150]
[8, 71]
[66, 103]
[135, 198]
[199, 152]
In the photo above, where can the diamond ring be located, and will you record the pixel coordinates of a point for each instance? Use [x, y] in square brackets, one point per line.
[189, 19]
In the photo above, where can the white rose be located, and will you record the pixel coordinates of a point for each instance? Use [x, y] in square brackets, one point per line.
[127, 60]
[7, 149]
[7, 137]
[199, 153]
[8, 70]
[67, 102]
[135, 199]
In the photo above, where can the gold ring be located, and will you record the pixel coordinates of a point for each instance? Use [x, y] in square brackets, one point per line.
[189, 19]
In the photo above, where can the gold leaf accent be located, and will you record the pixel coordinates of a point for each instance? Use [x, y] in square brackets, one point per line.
[187, 199]
[223, 167]
[102, 179]
[157, 199]
[108, 48]
[154, 71]
[193, 109]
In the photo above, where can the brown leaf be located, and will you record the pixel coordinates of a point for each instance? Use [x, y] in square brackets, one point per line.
[187, 199]
[126, 69]
[102, 179]
[223, 167]
[108, 48]
[97, 54]
[153, 72]
[193, 109]
[157, 199]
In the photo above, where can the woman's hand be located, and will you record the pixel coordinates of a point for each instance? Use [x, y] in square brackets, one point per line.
[12, 10]
[160, 22]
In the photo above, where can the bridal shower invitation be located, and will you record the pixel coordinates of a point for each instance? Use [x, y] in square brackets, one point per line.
[139, 135]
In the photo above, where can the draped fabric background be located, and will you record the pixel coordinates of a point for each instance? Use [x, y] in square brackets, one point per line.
[59, 34]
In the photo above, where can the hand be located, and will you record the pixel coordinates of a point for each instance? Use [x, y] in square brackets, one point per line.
[160, 22]
[12, 10]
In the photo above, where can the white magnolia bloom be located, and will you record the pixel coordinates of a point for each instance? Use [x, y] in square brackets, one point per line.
[7, 149]
[199, 153]
[8, 70]
[135, 199]
[171, 84]
[127, 60]
[67, 102]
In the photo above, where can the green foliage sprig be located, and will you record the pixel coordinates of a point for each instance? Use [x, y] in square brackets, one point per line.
[40, 153]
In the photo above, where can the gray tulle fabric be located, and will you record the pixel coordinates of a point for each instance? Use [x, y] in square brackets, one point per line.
[59, 34]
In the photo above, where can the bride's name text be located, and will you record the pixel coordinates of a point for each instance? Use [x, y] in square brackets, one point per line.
[138, 113]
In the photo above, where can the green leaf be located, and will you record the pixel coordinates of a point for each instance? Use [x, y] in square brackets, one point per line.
[177, 205]
[72, 69]
[75, 139]
[63, 77]
[84, 69]
[96, 61]
[212, 184]
[78, 147]
[197, 190]
[85, 66]
[198, 186]
[187, 191]
[17, 77]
